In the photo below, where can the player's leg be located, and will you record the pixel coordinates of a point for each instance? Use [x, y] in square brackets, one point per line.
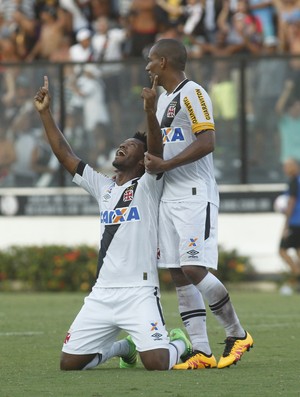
[190, 302]
[214, 292]
[91, 339]
[145, 323]
[286, 243]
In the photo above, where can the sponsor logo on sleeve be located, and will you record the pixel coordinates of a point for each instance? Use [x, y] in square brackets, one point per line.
[190, 110]
[203, 104]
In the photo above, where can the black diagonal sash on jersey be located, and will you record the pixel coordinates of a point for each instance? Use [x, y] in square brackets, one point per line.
[173, 108]
[110, 230]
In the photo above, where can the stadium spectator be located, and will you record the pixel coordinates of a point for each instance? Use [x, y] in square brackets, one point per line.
[7, 158]
[168, 14]
[8, 53]
[244, 30]
[89, 98]
[291, 230]
[263, 95]
[293, 40]
[264, 11]
[223, 91]
[52, 29]
[107, 43]
[22, 169]
[126, 293]
[142, 27]
[286, 11]
[82, 51]
[19, 24]
[188, 212]
[80, 13]
[288, 109]
[44, 163]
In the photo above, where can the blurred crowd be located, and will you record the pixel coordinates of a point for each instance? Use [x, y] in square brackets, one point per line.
[106, 32]
[55, 30]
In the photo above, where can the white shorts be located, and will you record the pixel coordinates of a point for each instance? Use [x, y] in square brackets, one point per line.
[188, 234]
[107, 311]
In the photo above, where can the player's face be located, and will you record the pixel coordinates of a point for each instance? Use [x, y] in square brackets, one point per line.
[129, 154]
[153, 66]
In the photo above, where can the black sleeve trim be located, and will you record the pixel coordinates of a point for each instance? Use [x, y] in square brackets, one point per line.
[80, 168]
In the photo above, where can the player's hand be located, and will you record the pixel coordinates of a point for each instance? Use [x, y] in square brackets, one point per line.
[153, 164]
[42, 97]
[149, 96]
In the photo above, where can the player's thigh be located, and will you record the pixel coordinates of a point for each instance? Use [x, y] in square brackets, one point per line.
[197, 227]
[143, 319]
[93, 330]
[168, 255]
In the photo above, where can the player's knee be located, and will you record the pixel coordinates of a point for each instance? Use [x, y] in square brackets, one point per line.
[155, 360]
[195, 274]
[69, 362]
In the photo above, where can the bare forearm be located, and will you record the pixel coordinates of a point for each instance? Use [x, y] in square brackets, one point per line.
[194, 152]
[154, 138]
[58, 143]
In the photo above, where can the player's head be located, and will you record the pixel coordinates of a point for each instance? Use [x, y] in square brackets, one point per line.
[166, 56]
[291, 167]
[130, 154]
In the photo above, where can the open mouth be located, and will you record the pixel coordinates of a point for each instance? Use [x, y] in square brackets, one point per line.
[120, 152]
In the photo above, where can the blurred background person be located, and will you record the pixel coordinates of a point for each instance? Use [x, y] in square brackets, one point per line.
[288, 110]
[286, 11]
[108, 43]
[51, 33]
[89, 98]
[291, 230]
[264, 11]
[7, 158]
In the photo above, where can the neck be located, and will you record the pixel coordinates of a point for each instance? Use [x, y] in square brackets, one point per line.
[173, 83]
[123, 177]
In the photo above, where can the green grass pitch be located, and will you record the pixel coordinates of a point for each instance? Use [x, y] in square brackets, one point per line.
[33, 326]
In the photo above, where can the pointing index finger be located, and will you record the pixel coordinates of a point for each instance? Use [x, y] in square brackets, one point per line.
[155, 80]
[46, 82]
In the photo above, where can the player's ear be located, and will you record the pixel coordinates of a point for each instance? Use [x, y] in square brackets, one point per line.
[163, 62]
[142, 162]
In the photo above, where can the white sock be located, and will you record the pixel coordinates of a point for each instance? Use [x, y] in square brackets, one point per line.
[119, 348]
[193, 314]
[95, 361]
[219, 302]
[176, 349]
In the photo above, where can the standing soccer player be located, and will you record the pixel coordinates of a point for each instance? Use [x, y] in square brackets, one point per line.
[291, 230]
[189, 204]
[126, 293]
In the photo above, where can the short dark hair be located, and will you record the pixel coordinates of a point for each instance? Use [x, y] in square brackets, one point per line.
[174, 50]
[141, 136]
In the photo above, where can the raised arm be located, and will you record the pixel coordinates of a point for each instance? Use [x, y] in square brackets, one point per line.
[154, 137]
[58, 142]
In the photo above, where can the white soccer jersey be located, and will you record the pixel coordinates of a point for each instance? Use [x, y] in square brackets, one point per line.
[181, 114]
[128, 220]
